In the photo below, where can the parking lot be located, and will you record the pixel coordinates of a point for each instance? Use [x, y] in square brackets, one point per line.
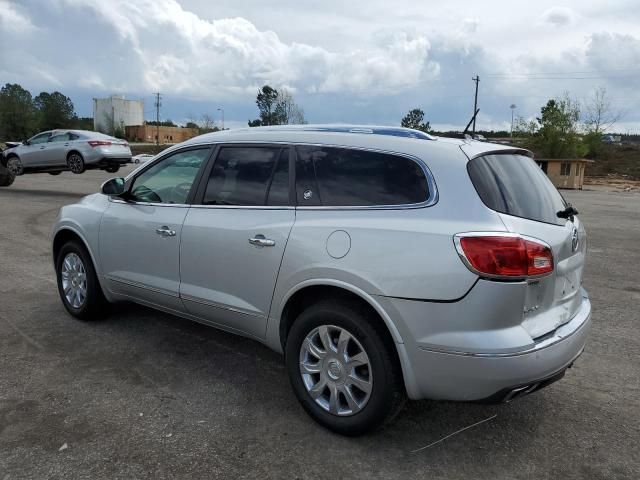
[142, 394]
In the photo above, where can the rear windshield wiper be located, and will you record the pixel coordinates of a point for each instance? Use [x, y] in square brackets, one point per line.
[568, 212]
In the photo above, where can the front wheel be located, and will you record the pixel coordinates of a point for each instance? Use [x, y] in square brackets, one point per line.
[15, 167]
[344, 372]
[112, 168]
[75, 163]
[78, 284]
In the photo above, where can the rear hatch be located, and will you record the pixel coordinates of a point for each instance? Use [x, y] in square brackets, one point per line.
[527, 202]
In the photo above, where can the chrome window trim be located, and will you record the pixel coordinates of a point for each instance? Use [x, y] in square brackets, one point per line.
[150, 204]
[245, 207]
[431, 200]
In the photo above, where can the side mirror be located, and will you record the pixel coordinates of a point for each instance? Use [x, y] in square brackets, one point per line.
[25, 142]
[113, 187]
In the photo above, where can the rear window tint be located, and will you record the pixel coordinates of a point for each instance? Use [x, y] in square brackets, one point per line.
[336, 177]
[516, 185]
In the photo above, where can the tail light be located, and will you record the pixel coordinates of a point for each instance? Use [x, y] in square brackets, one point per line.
[98, 143]
[504, 256]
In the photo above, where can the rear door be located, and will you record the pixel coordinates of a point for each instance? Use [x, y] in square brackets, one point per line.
[528, 203]
[234, 240]
[57, 148]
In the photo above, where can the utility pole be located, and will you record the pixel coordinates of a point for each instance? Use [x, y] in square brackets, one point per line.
[157, 105]
[513, 108]
[475, 102]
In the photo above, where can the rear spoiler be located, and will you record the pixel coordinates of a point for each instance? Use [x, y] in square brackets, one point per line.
[471, 152]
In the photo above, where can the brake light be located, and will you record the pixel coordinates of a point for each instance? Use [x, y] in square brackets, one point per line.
[98, 143]
[504, 256]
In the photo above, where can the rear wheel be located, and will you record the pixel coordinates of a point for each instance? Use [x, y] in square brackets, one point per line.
[6, 177]
[75, 163]
[14, 165]
[344, 373]
[112, 168]
[78, 284]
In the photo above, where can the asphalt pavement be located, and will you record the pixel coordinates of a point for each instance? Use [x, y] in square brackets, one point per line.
[143, 394]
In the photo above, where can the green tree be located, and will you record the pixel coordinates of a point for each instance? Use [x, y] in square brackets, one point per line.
[17, 119]
[54, 110]
[557, 133]
[267, 100]
[415, 119]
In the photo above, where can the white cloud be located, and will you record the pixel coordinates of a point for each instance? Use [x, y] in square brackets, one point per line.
[11, 20]
[184, 53]
[558, 16]
[361, 61]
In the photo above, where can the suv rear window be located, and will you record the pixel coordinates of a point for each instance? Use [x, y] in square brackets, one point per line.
[339, 177]
[516, 185]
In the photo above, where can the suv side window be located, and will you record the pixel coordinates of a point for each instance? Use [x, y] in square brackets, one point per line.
[344, 177]
[249, 176]
[170, 180]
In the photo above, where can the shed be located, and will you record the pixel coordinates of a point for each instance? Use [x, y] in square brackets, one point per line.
[564, 172]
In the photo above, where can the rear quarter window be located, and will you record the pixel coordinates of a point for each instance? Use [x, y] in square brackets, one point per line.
[344, 177]
[516, 185]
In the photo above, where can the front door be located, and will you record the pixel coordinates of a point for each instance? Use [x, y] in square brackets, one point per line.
[233, 242]
[140, 234]
[34, 152]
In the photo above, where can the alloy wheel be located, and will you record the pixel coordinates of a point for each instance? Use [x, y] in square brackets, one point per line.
[74, 280]
[336, 370]
[76, 164]
[14, 165]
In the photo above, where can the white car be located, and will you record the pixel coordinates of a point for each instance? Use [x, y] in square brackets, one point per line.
[141, 158]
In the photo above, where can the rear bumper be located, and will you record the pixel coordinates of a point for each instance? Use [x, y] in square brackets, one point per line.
[438, 373]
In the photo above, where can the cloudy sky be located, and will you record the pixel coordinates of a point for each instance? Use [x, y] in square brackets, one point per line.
[355, 62]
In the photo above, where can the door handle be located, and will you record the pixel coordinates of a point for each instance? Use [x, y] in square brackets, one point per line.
[42, 148]
[165, 232]
[260, 241]
[66, 144]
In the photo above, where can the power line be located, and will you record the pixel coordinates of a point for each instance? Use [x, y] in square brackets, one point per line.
[569, 73]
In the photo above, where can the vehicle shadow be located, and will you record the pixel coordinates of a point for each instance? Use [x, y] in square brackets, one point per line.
[181, 346]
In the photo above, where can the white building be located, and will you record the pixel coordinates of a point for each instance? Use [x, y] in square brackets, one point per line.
[116, 113]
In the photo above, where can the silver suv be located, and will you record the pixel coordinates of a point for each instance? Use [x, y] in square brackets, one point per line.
[383, 262]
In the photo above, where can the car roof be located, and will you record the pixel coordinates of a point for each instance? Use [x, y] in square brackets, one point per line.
[390, 139]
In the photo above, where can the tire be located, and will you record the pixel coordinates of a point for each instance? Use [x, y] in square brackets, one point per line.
[75, 162]
[92, 305]
[382, 375]
[14, 165]
[54, 173]
[112, 168]
[6, 177]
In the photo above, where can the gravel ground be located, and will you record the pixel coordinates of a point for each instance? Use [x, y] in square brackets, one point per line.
[147, 395]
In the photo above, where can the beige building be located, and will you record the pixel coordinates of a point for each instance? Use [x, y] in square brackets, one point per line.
[148, 133]
[565, 173]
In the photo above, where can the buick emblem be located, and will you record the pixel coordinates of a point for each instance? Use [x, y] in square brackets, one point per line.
[307, 194]
[574, 240]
